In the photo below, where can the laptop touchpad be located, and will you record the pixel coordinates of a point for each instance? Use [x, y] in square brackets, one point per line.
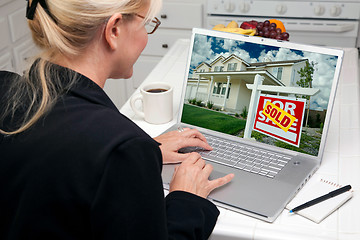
[216, 174]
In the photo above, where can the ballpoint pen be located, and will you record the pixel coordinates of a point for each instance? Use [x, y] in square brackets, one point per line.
[322, 198]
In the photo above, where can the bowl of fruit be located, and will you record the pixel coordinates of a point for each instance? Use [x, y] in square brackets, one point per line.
[271, 28]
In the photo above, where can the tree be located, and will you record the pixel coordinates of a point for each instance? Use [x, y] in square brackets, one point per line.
[306, 75]
[306, 78]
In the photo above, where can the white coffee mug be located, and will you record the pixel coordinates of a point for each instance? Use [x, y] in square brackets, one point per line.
[157, 102]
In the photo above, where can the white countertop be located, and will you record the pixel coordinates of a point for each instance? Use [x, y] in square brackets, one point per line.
[341, 162]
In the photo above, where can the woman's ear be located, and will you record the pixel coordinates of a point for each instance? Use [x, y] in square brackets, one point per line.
[112, 30]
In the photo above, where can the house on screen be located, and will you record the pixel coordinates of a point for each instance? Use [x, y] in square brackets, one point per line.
[223, 81]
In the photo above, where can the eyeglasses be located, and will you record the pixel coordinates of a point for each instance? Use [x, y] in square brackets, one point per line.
[151, 25]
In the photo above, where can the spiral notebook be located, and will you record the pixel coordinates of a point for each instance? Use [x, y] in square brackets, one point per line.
[320, 211]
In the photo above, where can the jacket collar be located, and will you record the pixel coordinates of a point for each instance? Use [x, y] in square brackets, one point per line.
[89, 90]
[84, 87]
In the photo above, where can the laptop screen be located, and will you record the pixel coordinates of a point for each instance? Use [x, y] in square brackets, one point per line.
[274, 92]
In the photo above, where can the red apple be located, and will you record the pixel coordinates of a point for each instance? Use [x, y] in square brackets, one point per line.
[247, 25]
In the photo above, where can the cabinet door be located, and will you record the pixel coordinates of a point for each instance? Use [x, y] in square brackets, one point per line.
[163, 39]
[4, 39]
[18, 25]
[142, 68]
[181, 15]
[6, 62]
[3, 2]
[117, 91]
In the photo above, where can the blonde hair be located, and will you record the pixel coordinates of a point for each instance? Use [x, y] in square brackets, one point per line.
[67, 31]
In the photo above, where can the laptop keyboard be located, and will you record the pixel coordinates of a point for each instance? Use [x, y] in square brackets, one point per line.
[247, 158]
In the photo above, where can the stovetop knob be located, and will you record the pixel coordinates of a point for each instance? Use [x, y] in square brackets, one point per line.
[244, 7]
[319, 10]
[335, 10]
[281, 9]
[229, 6]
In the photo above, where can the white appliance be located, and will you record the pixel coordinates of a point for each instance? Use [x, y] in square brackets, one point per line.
[320, 22]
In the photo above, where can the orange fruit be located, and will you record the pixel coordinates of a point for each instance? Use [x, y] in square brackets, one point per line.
[279, 24]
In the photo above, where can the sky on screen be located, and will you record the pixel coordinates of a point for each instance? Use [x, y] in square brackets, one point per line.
[206, 49]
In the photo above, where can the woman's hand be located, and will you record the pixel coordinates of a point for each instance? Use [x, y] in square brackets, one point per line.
[193, 176]
[172, 141]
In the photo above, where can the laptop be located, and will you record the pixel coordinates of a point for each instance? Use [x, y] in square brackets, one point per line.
[264, 105]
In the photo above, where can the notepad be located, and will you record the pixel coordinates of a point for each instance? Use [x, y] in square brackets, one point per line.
[320, 211]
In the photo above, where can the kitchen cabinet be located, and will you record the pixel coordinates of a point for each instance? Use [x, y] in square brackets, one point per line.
[16, 45]
[6, 61]
[177, 17]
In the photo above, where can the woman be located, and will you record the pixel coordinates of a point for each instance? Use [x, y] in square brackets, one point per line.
[72, 166]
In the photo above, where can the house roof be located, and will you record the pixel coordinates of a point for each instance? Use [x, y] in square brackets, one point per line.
[258, 64]
[203, 63]
[222, 58]
[276, 63]
[236, 57]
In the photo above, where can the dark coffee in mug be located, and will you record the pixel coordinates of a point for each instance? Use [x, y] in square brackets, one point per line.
[157, 102]
[156, 90]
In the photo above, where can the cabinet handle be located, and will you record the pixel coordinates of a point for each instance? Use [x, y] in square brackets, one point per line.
[165, 45]
[164, 16]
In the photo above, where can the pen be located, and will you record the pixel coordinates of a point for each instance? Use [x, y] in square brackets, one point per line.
[322, 198]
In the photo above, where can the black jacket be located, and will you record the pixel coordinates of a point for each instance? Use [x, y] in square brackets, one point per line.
[85, 171]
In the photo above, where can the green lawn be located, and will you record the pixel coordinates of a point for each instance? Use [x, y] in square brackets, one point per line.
[212, 120]
[227, 124]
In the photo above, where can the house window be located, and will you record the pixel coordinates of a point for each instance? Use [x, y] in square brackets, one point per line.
[232, 66]
[217, 88]
[219, 68]
[220, 89]
[277, 72]
[224, 90]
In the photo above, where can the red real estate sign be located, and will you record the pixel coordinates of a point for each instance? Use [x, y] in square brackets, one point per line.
[280, 118]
